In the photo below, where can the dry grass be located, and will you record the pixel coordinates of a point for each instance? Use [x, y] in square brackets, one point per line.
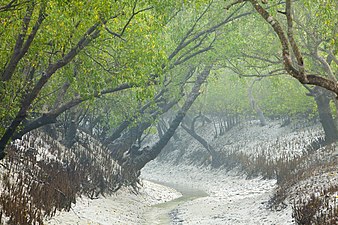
[40, 177]
[320, 208]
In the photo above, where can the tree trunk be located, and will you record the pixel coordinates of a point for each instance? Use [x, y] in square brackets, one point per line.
[124, 141]
[322, 99]
[162, 107]
[215, 128]
[254, 105]
[22, 45]
[214, 156]
[51, 116]
[161, 128]
[151, 153]
[71, 128]
[286, 41]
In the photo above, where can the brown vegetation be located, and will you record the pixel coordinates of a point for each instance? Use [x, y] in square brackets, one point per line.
[38, 180]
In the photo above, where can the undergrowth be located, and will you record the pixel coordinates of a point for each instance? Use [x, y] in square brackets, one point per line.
[292, 159]
[320, 208]
[40, 177]
[314, 203]
[317, 205]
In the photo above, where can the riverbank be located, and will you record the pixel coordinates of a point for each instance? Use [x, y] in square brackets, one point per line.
[165, 213]
[209, 197]
[231, 199]
[124, 207]
[228, 198]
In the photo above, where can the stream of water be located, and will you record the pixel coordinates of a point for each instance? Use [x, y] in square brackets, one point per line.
[164, 213]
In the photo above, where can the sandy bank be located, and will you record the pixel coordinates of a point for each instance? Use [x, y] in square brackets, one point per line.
[232, 199]
[123, 207]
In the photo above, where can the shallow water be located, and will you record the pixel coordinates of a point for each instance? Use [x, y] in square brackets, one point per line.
[165, 213]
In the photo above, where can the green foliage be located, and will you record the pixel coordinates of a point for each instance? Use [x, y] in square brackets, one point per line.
[276, 96]
[284, 96]
[224, 94]
[134, 42]
[129, 49]
[324, 18]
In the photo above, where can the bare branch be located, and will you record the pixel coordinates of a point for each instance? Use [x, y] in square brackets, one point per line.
[330, 55]
[233, 3]
[325, 65]
[185, 42]
[97, 62]
[18, 52]
[192, 49]
[114, 33]
[236, 70]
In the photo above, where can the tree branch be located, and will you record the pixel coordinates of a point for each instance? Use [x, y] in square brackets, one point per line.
[299, 75]
[261, 58]
[185, 41]
[28, 99]
[132, 16]
[150, 154]
[11, 6]
[182, 42]
[292, 41]
[18, 52]
[51, 116]
[195, 53]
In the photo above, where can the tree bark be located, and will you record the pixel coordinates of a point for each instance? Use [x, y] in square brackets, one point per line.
[161, 128]
[297, 71]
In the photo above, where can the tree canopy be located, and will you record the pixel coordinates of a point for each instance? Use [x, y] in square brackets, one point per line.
[113, 68]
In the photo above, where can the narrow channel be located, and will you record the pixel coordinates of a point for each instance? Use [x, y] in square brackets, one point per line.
[164, 213]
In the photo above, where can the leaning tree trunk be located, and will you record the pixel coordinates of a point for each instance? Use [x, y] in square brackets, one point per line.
[124, 141]
[71, 127]
[151, 153]
[323, 99]
[214, 155]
